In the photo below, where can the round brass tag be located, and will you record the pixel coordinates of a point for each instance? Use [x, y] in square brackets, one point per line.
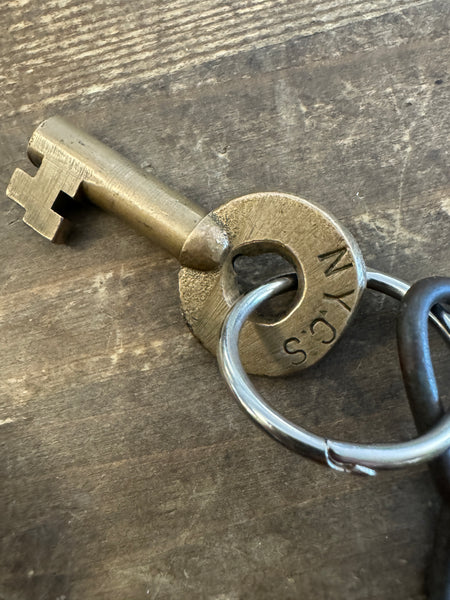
[329, 267]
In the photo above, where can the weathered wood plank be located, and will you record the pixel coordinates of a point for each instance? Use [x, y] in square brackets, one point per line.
[127, 469]
[137, 41]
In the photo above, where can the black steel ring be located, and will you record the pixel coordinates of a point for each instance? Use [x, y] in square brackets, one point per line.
[417, 367]
[426, 407]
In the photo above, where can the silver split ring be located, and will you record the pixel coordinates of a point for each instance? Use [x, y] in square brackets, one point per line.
[342, 456]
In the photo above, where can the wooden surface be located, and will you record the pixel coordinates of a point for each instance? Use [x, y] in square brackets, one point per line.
[127, 470]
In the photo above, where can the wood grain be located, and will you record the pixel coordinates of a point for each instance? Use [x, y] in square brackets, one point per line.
[134, 41]
[127, 470]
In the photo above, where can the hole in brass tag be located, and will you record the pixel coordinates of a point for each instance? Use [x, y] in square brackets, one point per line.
[255, 264]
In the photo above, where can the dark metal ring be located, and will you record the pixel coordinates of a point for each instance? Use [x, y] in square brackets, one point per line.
[427, 409]
[417, 367]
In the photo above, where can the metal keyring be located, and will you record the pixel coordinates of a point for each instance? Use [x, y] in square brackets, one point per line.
[342, 456]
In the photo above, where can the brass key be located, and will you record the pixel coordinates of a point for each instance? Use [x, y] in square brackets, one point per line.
[327, 260]
[70, 160]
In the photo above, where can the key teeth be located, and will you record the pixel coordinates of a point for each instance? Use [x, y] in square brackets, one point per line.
[55, 228]
[18, 181]
[45, 221]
